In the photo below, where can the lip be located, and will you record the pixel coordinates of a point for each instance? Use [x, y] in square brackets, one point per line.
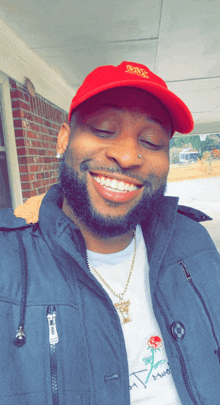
[119, 197]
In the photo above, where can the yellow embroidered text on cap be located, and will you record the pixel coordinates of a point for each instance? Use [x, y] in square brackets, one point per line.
[137, 71]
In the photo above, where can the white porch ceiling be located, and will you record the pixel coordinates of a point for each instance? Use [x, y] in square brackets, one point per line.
[179, 40]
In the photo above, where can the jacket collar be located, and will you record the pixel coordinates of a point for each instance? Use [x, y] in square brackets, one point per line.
[158, 236]
[60, 232]
[9, 222]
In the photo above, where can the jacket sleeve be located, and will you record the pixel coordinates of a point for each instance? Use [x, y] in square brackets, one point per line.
[30, 209]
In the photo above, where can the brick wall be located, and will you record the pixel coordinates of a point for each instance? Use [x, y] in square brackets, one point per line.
[37, 122]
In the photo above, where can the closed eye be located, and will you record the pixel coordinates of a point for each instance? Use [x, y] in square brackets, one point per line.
[150, 145]
[101, 131]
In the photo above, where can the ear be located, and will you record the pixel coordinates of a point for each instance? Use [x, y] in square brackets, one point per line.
[63, 138]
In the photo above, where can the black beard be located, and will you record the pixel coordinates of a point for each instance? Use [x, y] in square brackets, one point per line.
[74, 189]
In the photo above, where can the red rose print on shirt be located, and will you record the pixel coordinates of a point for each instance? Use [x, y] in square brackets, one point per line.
[154, 344]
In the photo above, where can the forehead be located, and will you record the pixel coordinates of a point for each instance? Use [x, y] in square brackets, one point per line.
[126, 98]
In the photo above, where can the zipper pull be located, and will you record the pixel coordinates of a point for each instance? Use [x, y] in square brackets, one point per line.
[186, 272]
[51, 317]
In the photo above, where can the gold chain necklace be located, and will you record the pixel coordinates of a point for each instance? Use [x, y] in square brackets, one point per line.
[122, 306]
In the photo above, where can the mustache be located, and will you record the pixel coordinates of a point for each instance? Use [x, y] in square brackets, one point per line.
[85, 167]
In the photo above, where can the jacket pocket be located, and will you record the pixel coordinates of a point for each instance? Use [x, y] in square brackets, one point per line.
[188, 303]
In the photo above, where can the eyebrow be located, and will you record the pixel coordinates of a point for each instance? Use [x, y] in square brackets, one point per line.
[150, 118]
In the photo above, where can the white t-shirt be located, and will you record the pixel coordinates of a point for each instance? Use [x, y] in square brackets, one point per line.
[150, 377]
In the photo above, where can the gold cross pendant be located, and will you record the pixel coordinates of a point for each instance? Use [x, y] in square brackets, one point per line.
[123, 307]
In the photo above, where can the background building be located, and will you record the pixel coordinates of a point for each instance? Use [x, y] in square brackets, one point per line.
[29, 121]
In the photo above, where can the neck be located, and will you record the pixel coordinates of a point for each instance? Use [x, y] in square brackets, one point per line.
[97, 243]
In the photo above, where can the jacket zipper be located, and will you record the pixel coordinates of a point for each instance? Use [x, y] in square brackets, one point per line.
[189, 278]
[53, 340]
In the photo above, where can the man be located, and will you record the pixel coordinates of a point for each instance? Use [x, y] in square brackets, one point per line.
[116, 289]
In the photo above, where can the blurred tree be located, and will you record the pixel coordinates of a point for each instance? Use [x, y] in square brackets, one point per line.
[215, 153]
[196, 143]
[174, 155]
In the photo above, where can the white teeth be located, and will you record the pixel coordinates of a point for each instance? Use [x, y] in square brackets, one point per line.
[115, 185]
[116, 190]
[121, 185]
[102, 181]
[108, 182]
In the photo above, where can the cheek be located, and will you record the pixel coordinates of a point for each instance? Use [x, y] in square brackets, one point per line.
[76, 153]
[82, 147]
[158, 164]
[163, 165]
[71, 158]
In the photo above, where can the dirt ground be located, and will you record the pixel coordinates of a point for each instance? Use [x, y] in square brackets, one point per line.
[195, 170]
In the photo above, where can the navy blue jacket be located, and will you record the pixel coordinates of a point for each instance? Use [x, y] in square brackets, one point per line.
[74, 350]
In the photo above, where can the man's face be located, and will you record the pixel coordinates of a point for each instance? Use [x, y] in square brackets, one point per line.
[108, 187]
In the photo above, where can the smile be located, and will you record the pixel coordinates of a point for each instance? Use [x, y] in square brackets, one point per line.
[115, 185]
[115, 190]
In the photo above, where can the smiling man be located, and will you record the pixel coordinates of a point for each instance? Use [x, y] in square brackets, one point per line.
[116, 163]
[115, 288]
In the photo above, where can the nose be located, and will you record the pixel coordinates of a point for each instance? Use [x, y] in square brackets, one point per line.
[125, 151]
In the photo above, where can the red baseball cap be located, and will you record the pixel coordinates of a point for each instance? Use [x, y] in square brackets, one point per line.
[135, 75]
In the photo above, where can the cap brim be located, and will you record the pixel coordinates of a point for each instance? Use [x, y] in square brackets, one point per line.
[180, 114]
